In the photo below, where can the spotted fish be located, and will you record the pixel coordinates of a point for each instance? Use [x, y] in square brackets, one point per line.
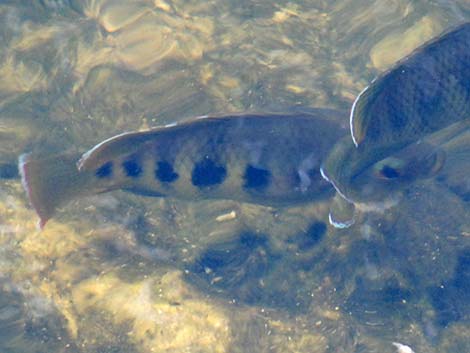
[268, 159]
[423, 94]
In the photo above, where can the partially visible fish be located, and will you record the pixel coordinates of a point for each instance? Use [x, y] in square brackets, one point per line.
[270, 159]
[362, 175]
[392, 121]
[456, 172]
[376, 175]
[422, 93]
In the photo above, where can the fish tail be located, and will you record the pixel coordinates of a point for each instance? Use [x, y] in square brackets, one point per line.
[50, 183]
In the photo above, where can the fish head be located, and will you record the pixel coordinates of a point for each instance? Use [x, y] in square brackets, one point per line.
[375, 174]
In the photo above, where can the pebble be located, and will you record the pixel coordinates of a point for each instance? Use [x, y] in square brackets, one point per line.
[401, 348]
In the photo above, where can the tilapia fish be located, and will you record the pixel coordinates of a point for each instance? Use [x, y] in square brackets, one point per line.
[423, 94]
[268, 159]
[377, 184]
[361, 176]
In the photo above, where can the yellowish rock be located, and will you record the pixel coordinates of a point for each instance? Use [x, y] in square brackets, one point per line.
[397, 45]
[287, 336]
[329, 314]
[161, 321]
[202, 25]
[88, 58]
[229, 82]
[144, 43]
[116, 15]
[18, 77]
[50, 291]
[54, 241]
[36, 36]
[92, 8]
[280, 16]
[311, 343]
[206, 74]
[286, 40]
[162, 5]
[226, 216]
[295, 89]
[291, 10]
[190, 48]
[16, 131]
[153, 37]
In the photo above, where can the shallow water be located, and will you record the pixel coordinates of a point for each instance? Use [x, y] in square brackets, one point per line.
[122, 273]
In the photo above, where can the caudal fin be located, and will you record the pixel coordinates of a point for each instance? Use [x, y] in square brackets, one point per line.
[51, 182]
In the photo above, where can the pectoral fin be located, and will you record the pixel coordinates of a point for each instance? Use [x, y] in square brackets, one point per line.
[432, 164]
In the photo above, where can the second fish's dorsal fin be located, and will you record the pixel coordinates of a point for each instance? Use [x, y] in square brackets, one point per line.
[415, 96]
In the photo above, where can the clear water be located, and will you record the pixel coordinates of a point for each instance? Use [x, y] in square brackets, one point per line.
[121, 273]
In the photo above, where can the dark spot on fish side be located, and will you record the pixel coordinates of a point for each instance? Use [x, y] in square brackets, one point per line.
[314, 234]
[165, 172]
[256, 178]
[389, 172]
[207, 173]
[105, 171]
[132, 168]
[8, 171]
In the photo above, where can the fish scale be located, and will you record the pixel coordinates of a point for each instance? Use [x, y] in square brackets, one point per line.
[422, 93]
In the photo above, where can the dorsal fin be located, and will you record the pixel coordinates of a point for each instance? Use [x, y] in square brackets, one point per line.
[370, 112]
[127, 142]
[357, 123]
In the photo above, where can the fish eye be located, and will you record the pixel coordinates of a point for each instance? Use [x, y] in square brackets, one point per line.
[389, 169]
[388, 172]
